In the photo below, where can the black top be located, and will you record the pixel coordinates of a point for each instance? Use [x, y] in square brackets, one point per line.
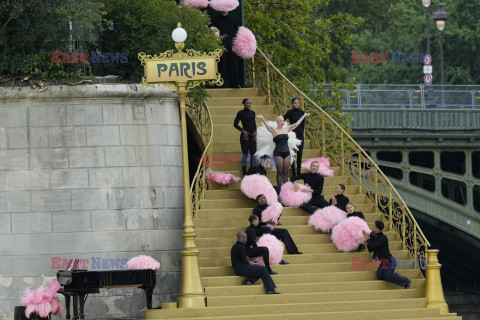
[228, 27]
[356, 214]
[281, 143]
[251, 236]
[314, 180]
[342, 202]
[293, 115]
[238, 255]
[379, 246]
[258, 212]
[247, 117]
[257, 169]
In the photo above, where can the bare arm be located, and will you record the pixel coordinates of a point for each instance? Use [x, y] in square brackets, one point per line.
[296, 124]
[270, 129]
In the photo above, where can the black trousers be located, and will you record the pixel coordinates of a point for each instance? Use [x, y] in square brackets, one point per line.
[317, 201]
[284, 236]
[253, 273]
[248, 146]
[260, 251]
[387, 272]
[228, 67]
[298, 160]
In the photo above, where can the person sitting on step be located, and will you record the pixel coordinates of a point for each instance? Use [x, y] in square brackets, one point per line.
[352, 213]
[242, 267]
[262, 228]
[379, 245]
[315, 181]
[339, 200]
[253, 250]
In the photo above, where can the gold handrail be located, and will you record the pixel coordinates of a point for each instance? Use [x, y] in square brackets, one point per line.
[337, 145]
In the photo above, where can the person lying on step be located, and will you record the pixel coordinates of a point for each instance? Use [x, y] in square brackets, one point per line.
[315, 181]
[242, 267]
[261, 168]
[339, 200]
[352, 213]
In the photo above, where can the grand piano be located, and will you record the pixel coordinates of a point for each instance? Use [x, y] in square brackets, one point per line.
[78, 284]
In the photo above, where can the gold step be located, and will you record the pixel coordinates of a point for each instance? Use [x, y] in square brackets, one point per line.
[236, 101]
[228, 93]
[230, 110]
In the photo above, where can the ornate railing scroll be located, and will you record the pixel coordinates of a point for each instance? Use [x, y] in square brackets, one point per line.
[202, 120]
[337, 145]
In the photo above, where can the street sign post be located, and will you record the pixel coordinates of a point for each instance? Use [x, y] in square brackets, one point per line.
[427, 69]
[428, 79]
[427, 60]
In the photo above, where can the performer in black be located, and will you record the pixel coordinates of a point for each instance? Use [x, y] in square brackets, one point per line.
[260, 168]
[262, 228]
[352, 213]
[386, 270]
[248, 136]
[293, 115]
[315, 181]
[252, 249]
[228, 65]
[339, 200]
[242, 267]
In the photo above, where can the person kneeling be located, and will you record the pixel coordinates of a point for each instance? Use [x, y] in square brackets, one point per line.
[242, 267]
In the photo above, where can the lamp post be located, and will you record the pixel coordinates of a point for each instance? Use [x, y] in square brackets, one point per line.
[426, 7]
[440, 18]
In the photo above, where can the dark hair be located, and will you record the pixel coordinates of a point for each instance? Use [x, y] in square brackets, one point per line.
[245, 100]
[265, 156]
[379, 224]
[341, 186]
[259, 196]
[240, 233]
[350, 204]
[252, 218]
[293, 100]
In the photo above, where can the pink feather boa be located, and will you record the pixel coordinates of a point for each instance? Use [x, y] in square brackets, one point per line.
[143, 262]
[256, 184]
[325, 219]
[224, 5]
[324, 164]
[222, 178]
[289, 197]
[275, 249]
[42, 301]
[272, 212]
[196, 3]
[347, 235]
[244, 43]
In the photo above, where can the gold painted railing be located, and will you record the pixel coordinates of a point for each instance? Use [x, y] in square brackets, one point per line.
[337, 145]
[202, 120]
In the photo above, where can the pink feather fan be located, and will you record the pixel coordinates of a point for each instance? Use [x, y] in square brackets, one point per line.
[256, 184]
[224, 5]
[289, 197]
[325, 219]
[323, 163]
[275, 249]
[244, 43]
[222, 178]
[347, 235]
[143, 262]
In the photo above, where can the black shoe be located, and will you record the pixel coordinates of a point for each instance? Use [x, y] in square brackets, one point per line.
[298, 252]
[408, 284]
[247, 282]
[361, 247]
[284, 262]
[273, 292]
[279, 223]
[272, 272]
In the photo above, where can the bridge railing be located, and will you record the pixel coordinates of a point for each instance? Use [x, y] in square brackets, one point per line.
[339, 147]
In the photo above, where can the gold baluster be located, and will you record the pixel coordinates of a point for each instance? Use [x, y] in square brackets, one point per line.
[323, 137]
[390, 208]
[253, 72]
[360, 172]
[268, 84]
[404, 227]
[433, 283]
[343, 154]
[415, 246]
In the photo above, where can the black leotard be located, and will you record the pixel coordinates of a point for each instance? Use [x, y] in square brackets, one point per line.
[281, 146]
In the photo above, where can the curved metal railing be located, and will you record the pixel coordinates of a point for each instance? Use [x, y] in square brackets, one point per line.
[339, 147]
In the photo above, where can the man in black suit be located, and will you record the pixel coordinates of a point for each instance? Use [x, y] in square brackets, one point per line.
[242, 267]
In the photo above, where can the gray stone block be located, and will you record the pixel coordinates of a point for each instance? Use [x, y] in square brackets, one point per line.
[74, 221]
[105, 177]
[38, 244]
[170, 112]
[176, 176]
[5, 223]
[172, 156]
[3, 138]
[170, 261]
[67, 137]
[4, 180]
[39, 137]
[17, 138]
[136, 177]
[172, 197]
[92, 157]
[141, 197]
[173, 219]
[97, 242]
[135, 135]
[69, 179]
[15, 116]
[36, 179]
[120, 156]
[103, 136]
[117, 114]
[140, 219]
[35, 265]
[38, 222]
[158, 240]
[157, 135]
[160, 176]
[51, 200]
[108, 220]
[89, 199]
[174, 135]
[13, 159]
[14, 201]
[149, 156]
[49, 158]
[48, 116]
[84, 115]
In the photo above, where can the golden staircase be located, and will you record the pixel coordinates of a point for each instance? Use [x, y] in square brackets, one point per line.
[321, 283]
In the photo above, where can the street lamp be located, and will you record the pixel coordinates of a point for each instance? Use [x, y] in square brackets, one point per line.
[426, 6]
[440, 18]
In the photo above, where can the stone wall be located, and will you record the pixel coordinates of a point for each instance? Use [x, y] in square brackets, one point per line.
[91, 172]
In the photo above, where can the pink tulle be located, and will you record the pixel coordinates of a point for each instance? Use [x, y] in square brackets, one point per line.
[256, 184]
[323, 163]
[325, 219]
[222, 178]
[196, 3]
[143, 262]
[224, 5]
[347, 235]
[244, 43]
[272, 212]
[42, 301]
[289, 197]
[57, 307]
[275, 249]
